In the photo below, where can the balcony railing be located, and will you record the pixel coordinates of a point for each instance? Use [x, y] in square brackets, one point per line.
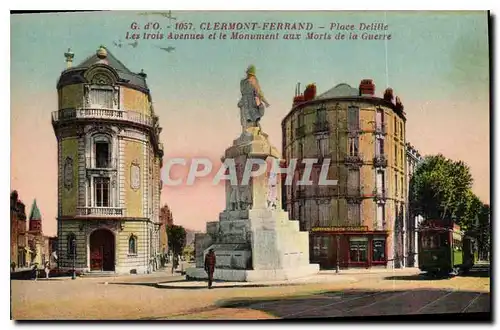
[354, 158]
[100, 211]
[321, 126]
[101, 164]
[94, 113]
[381, 129]
[379, 194]
[300, 193]
[300, 131]
[380, 161]
[354, 192]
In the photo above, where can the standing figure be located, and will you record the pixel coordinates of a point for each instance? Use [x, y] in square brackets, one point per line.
[35, 271]
[47, 269]
[253, 103]
[210, 266]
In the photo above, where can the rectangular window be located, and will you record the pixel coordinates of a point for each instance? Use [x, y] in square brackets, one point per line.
[380, 181]
[301, 120]
[324, 214]
[101, 192]
[316, 246]
[396, 154]
[324, 246]
[353, 214]
[353, 146]
[101, 98]
[401, 130]
[321, 115]
[402, 187]
[380, 216]
[378, 245]
[353, 118]
[395, 127]
[323, 147]
[102, 154]
[301, 149]
[353, 181]
[379, 147]
[396, 183]
[358, 249]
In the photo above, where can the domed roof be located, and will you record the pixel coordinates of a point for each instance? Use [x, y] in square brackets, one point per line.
[103, 56]
[341, 90]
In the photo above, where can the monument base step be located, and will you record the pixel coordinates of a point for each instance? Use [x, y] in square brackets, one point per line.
[263, 275]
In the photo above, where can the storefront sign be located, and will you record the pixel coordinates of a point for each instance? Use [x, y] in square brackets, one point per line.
[339, 229]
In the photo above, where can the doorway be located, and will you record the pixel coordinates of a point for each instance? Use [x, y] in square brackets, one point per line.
[102, 250]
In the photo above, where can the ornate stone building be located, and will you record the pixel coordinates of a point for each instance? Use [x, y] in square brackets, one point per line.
[18, 238]
[360, 221]
[413, 158]
[109, 157]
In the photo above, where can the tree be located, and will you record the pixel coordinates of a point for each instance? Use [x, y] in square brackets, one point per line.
[176, 238]
[439, 187]
[484, 231]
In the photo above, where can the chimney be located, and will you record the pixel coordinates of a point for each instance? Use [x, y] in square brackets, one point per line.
[366, 87]
[389, 95]
[69, 58]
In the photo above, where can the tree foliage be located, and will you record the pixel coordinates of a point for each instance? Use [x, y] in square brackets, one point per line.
[176, 238]
[439, 187]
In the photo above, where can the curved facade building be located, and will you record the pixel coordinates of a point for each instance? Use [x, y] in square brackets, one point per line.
[109, 158]
[360, 221]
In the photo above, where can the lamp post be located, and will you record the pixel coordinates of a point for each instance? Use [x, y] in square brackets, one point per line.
[73, 276]
[337, 268]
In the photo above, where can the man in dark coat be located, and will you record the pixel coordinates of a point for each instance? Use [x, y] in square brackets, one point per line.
[210, 266]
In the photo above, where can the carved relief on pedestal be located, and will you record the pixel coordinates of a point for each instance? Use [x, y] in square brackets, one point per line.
[272, 191]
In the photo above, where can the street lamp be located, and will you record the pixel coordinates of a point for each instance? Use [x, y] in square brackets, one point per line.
[73, 276]
[337, 268]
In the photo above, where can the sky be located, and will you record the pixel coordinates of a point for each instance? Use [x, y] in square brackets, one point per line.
[436, 62]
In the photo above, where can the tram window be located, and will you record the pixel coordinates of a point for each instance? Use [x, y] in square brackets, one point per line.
[443, 239]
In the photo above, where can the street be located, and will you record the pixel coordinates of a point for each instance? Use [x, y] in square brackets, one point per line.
[349, 294]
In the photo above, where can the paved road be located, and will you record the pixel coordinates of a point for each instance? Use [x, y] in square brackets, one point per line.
[366, 303]
[139, 298]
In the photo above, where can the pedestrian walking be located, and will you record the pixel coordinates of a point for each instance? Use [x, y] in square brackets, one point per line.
[47, 269]
[35, 271]
[210, 266]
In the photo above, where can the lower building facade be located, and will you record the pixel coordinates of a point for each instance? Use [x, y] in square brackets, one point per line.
[130, 246]
[358, 140]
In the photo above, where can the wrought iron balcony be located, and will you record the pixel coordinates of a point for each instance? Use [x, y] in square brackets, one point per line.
[321, 126]
[381, 129]
[356, 158]
[95, 113]
[379, 194]
[300, 131]
[380, 161]
[93, 163]
[301, 193]
[100, 211]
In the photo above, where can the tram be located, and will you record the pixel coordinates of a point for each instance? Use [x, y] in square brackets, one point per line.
[444, 249]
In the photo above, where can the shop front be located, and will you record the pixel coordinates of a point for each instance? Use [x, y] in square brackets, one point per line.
[349, 247]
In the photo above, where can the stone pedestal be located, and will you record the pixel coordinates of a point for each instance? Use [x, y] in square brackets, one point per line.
[254, 240]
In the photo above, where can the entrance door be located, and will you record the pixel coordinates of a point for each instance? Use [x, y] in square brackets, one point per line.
[102, 250]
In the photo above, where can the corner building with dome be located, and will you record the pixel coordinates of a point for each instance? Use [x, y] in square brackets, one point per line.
[109, 162]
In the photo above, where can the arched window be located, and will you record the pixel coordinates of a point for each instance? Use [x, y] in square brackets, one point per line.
[71, 244]
[132, 244]
[102, 151]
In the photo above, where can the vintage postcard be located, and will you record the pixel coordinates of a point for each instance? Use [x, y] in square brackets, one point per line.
[244, 165]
